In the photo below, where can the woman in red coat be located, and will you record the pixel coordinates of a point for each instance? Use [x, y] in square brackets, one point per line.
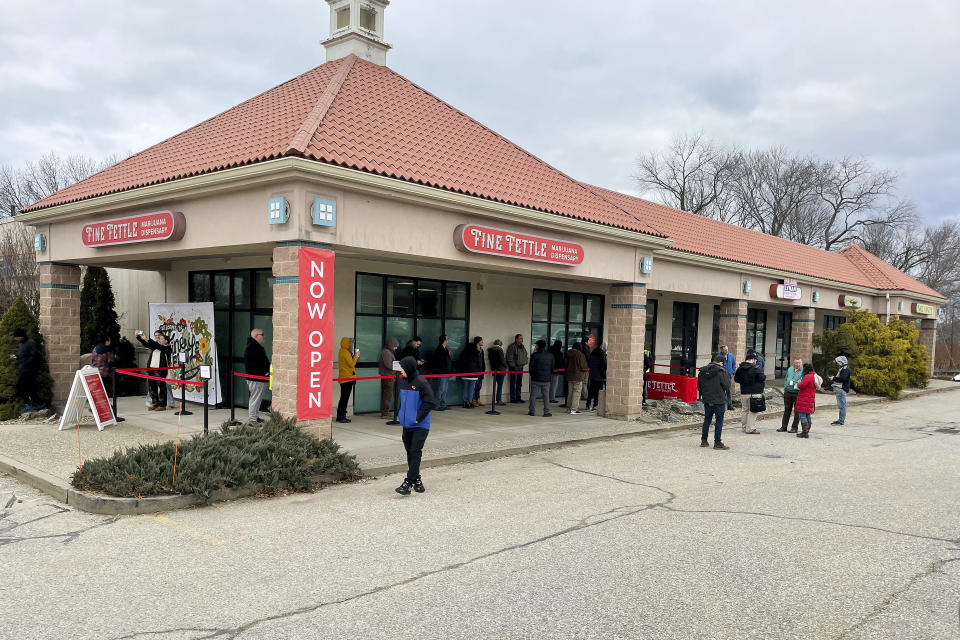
[806, 400]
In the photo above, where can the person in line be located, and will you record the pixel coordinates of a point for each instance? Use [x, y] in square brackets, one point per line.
[807, 399]
[477, 402]
[647, 368]
[713, 383]
[556, 350]
[597, 375]
[160, 353]
[347, 361]
[841, 386]
[256, 363]
[470, 361]
[730, 366]
[29, 361]
[498, 363]
[441, 363]
[760, 361]
[576, 368]
[412, 348]
[517, 359]
[385, 368]
[791, 388]
[103, 359]
[541, 378]
[750, 377]
[416, 403]
[585, 346]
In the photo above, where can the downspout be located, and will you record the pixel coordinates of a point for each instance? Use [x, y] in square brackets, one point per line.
[888, 308]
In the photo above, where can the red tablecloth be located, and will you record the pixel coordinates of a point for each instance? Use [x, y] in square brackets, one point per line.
[668, 385]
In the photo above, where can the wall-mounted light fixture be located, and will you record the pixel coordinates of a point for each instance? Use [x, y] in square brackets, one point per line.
[324, 212]
[646, 265]
[816, 296]
[278, 210]
[747, 285]
[40, 242]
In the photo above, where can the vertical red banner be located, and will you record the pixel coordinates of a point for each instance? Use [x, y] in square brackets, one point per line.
[315, 334]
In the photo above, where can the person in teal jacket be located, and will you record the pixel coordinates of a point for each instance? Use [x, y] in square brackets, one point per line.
[791, 390]
[416, 403]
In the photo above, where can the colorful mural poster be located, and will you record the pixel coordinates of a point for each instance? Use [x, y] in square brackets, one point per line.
[189, 327]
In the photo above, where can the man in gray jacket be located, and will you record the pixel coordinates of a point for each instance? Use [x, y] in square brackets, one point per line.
[713, 383]
[385, 368]
[517, 359]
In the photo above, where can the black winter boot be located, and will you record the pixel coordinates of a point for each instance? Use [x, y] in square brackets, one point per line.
[418, 485]
[404, 489]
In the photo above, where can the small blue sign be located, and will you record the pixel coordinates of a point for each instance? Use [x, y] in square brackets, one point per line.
[324, 212]
[278, 210]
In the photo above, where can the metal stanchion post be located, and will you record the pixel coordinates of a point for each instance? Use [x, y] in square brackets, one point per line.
[233, 406]
[113, 384]
[206, 418]
[493, 395]
[396, 399]
[183, 394]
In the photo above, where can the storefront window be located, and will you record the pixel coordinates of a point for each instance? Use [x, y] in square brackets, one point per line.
[243, 299]
[572, 316]
[715, 340]
[400, 307]
[757, 330]
[832, 322]
[683, 338]
[650, 333]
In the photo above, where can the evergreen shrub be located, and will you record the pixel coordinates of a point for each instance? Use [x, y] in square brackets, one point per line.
[885, 358]
[98, 315]
[19, 316]
[274, 455]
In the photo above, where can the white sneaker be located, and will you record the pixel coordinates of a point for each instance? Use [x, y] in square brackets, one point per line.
[573, 412]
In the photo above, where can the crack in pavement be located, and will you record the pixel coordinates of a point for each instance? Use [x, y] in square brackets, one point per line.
[588, 521]
[7, 525]
[934, 567]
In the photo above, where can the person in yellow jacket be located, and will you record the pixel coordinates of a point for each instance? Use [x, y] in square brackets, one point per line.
[348, 369]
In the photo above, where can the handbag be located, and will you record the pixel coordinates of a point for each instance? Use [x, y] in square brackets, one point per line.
[758, 405]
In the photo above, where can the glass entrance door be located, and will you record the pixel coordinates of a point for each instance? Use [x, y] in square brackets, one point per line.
[784, 330]
[683, 339]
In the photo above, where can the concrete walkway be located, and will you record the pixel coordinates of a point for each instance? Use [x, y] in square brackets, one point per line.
[456, 435]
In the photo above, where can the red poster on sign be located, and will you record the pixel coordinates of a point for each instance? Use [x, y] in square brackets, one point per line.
[101, 402]
[315, 334]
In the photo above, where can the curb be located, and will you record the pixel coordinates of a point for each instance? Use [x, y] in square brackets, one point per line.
[516, 451]
[108, 505]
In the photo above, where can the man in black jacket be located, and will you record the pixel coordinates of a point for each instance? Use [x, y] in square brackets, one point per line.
[841, 387]
[255, 363]
[441, 362]
[713, 383]
[750, 377]
[541, 377]
[28, 359]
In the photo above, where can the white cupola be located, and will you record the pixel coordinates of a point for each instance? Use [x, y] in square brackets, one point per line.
[356, 26]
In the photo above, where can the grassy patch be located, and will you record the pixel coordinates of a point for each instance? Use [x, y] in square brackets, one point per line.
[274, 455]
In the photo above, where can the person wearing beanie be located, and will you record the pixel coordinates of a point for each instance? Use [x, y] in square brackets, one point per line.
[160, 352]
[29, 360]
[713, 383]
[597, 375]
[385, 368]
[750, 377]
[498, 363]
[441, 363]
[416, 403]
[541, 377]
[470, 361]
[841, 386]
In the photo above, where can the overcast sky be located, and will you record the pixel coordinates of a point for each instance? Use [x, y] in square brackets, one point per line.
[586, 87]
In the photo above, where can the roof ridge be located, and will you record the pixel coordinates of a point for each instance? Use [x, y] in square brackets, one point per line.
[301, 139]
[866, 263]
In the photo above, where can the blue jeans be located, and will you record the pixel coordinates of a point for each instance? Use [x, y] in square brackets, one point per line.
[841, 404]
[469, 384]
[516, 383]
[498, 381]
[442, 385]
[711, 410]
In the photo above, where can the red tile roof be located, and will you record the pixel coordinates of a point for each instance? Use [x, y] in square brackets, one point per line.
[703, 236]
[363, 116]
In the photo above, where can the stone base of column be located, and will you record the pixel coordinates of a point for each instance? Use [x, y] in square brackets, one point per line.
[320, 429]
[60, 324]
[627, 315]
[801, 334]
[928, 339]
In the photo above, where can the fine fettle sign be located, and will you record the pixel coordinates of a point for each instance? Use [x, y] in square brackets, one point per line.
[149, 227]
[473, 238]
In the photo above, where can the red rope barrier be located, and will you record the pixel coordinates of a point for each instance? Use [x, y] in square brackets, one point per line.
[247, 375]
[128, 372]
[149, 369]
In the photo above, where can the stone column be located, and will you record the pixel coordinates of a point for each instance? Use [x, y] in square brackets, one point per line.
[733, 327]
[286, 270]
[60, 323]
[626, 324]
[801, 333]
[928, 339]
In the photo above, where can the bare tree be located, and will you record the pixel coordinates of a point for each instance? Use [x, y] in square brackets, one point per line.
[773, 189]
[18, 266]
[693, 175]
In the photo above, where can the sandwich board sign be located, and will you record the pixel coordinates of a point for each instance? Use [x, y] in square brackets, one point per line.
[88, 391]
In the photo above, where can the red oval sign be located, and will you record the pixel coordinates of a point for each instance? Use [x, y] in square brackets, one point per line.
[508, 244]
[149, 227]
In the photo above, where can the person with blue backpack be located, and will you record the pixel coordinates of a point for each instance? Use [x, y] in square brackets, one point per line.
[416, 403]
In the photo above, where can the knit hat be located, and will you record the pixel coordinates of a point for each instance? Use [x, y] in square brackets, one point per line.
[19, 333]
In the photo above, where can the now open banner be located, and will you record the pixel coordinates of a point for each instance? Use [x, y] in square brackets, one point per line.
[315, 334]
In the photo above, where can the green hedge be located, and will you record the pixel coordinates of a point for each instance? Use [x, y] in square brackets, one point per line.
[274, 455]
